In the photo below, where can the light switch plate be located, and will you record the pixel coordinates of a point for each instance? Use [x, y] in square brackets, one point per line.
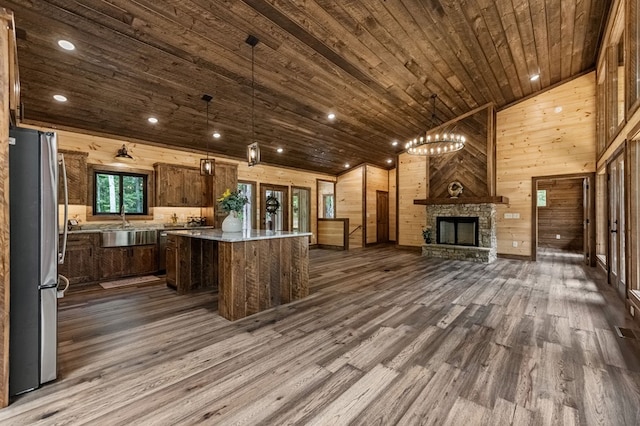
[515, 244]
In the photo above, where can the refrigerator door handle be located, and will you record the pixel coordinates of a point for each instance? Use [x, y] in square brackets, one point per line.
[60, 293]
[63, 252]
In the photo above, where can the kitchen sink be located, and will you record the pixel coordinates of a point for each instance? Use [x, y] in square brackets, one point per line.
[129, 237]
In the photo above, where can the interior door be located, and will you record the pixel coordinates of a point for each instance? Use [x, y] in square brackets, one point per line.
[382, 216]
[617, 265]
[278, 220]
[300, 209]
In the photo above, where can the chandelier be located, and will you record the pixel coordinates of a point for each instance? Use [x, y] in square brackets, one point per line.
[435, 144]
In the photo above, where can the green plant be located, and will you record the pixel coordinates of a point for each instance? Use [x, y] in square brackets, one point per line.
[232, 201]
[426, 234]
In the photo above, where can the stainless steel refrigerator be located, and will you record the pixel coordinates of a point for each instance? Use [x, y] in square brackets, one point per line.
[33, 194]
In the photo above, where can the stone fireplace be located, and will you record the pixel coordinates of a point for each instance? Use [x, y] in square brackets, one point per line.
[462, 231]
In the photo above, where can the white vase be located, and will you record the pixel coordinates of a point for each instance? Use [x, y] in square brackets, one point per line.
[232, 223]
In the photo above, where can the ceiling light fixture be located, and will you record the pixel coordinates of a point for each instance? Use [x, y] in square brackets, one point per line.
[66, 45]
[152, 120]
[389, 161]
[279, 150]
[216, 134]
[123, 154]
[207, 165]
[331, 116]
[346, 166]
[60, 98]
[534, 77]
[253, 150]
[394, 143]
[435, 144]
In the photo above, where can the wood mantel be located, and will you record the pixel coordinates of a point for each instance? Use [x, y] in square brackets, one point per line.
[463, 200]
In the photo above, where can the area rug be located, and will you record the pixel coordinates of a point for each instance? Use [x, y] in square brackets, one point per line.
[129, 281]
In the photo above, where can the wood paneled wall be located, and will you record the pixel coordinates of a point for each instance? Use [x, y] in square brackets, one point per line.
[553, 133]
[412, 184]
[102, 151]
[377, 180]
[393, 201]
[563, 215]
[349, 203]
[6, 23]
[333, 233]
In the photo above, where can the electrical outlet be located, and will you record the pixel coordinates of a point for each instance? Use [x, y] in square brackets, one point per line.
[508, 216]
[515, 243]
[557, 236]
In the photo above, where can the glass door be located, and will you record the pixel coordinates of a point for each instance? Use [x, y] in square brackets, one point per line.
[300, 209]
[274, 211]
[617, 265]
[248, 212]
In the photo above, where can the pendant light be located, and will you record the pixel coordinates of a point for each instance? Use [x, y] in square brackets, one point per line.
[438, 143]
[253, 150]
[207, 165]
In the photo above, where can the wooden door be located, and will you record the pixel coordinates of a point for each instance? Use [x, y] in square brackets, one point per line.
[278, 221]
[588, 205]
[382, 216]
[617, 261]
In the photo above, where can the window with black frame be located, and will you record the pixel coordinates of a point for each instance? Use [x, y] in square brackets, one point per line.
[116, 189]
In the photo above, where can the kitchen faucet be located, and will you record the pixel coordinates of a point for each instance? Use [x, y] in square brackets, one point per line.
[125, 224]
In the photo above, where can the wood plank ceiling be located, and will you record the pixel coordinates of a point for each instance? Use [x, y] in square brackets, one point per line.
[374, 63]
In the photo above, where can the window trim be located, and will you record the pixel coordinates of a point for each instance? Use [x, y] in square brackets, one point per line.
[150, 193]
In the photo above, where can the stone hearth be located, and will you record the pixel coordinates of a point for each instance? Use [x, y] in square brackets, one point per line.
[487, 250]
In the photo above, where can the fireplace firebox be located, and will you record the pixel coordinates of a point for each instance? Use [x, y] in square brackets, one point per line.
[459, 231]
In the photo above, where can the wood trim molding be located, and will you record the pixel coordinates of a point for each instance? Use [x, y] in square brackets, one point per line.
[468, 200]
[6, 22]
[514, 257]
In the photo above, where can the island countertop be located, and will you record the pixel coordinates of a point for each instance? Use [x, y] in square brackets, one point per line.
[235, 237]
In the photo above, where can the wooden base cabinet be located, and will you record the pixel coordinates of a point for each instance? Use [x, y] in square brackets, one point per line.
[80, 262]
[117, 262]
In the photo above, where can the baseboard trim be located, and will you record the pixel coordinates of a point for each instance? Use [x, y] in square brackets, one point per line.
[514, 257]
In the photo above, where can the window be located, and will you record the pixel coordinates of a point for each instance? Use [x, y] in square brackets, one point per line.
[114, 189]
[542, 198]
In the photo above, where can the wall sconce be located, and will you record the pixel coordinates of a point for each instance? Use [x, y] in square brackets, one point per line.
[123, 155]
[253, 154]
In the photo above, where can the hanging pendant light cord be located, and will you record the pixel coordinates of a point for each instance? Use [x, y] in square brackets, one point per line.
[207, 131]
[253, 96]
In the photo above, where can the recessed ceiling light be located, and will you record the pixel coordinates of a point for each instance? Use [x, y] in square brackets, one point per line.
[331, 116]
[346, 166]
[60, 98]
[152, 120]
[66, 45]
[534, 77]
[394, 143]
[216, 134]
[389, 160]
[558, 109]
[279, 150]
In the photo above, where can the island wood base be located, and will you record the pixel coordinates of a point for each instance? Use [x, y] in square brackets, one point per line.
[251, 276]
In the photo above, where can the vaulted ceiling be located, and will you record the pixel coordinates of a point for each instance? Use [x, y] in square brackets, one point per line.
[374, 64]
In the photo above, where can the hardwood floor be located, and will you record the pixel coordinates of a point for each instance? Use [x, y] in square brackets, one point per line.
[386, 337]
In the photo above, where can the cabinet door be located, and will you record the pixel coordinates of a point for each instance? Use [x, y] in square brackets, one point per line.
[169, 186]
[115, 262]
[145, 259]
[194, 188]
[76, 166]
[80, 260]
[171, 262]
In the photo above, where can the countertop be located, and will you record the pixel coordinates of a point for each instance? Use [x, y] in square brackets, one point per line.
[158, 227]
[234, 237]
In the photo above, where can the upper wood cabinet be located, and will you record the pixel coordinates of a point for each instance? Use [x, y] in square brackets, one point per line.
[76, 165]
[179, 186]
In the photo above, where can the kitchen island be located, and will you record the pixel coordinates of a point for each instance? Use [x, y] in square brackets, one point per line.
[252, 270]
